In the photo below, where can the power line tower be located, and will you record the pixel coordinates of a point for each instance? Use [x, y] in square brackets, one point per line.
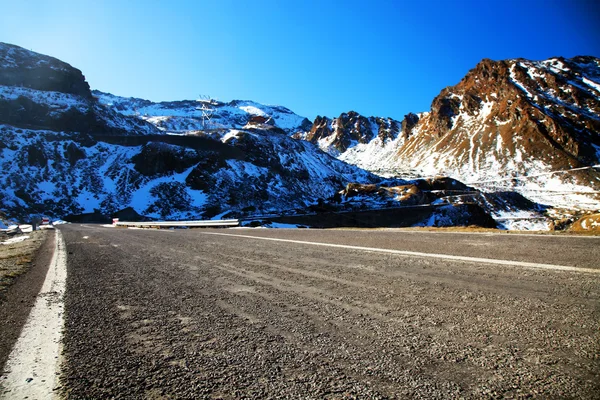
[206, 109]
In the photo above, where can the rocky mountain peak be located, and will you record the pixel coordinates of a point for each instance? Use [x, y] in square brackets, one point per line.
[349, 129]
[555, 101]
[503, 123]
[28, 69]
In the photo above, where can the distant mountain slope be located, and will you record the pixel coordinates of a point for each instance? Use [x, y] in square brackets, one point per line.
[371, 143]
[186, 115]
[259, 171]
[41, 92]
[507, 124]
[65, 151]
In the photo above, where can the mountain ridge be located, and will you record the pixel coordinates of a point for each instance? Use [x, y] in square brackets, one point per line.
[80, 151]
[504, 120]
[68, 152]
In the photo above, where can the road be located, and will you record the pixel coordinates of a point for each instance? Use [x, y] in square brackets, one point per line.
[226, 313]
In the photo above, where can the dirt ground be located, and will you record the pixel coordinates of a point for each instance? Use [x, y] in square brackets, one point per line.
[15, 258]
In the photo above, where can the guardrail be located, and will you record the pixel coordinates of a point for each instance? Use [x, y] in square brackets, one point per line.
[168, 224]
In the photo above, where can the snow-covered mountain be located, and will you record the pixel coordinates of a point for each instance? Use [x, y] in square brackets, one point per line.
[370, 143]
[60, 173]
[505, 127]
[37, 91]
[186, 116]
[65, 150]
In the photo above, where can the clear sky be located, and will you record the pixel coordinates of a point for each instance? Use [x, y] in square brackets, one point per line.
[383, 58]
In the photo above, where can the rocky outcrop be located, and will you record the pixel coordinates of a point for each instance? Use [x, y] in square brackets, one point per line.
[24, 68]
[589, 223]
[41, 92]
[350, 129]
[553, 106]
[408, 124]
[507, 124]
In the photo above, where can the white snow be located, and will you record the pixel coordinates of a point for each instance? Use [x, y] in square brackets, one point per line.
[185, 116]
[513, 77]
[16, 239]
[232, 134]
[142, 198]
[57, 101]
[521, 220]
[485, 110]
[555, 65]
[592, 84]
[253, 110]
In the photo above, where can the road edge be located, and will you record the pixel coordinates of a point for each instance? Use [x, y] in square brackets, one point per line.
[19, 297]
[32, 368]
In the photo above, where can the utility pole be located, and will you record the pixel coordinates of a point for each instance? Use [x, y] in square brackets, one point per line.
[206, 110]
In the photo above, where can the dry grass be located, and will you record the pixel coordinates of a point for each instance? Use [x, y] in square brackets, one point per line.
[589, 224]
[15, 258]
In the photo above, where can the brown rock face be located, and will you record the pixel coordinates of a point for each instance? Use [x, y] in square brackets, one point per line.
[551, 107]
[506, 121]
[405, 194]
[588, 223]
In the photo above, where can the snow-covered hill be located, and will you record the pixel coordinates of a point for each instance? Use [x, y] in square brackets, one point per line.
[258, 171]
[64, 150]
[507, 126]
[503, 129]
[41, 92]
[186, 116]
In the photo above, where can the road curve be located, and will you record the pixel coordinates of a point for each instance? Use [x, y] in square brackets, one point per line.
[191, 314]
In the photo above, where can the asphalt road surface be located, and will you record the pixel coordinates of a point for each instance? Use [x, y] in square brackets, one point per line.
[213, 313]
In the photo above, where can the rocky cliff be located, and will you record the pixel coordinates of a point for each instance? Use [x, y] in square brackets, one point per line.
[506, 126]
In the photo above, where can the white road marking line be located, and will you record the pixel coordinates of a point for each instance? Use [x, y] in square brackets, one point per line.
[443, 232]
[86, 237]
[33, 364]
[503, 234]
[420, 254]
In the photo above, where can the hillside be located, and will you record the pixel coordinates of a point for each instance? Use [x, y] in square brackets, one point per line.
[499, 135]
[186, 116]
[66, 150]
[505, 127]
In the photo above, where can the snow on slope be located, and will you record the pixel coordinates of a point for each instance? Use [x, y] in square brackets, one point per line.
[58, 174]
[185, 116]
[57, 101]
[56, 185]
[505, 127]
[59, 150]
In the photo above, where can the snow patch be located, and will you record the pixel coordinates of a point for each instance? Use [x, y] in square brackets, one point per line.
[16, 239]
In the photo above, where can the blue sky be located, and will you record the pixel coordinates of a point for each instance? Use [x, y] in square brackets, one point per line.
[383, 58]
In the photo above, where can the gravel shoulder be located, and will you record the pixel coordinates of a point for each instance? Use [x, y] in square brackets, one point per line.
[23, 267]
[181, 314]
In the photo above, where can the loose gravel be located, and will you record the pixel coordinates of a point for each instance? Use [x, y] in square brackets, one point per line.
[179, 314]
